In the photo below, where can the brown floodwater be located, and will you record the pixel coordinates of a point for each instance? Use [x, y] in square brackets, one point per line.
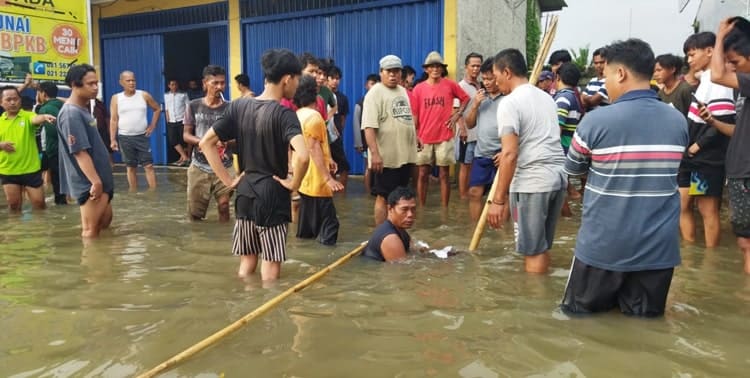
[156, 284]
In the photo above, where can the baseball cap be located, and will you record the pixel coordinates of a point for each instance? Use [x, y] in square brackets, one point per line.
[546, 75]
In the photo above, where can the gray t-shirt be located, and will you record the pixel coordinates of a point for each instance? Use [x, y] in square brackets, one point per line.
[77, 131]
[737, 163]
[488, 142]
[531, 114]
[201, 117]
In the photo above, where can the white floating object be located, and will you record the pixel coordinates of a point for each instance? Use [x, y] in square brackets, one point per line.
[442, 253]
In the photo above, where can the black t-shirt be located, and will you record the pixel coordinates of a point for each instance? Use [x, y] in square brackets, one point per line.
[373, 251]
[263, 130]
[343, 103]
[738, 152]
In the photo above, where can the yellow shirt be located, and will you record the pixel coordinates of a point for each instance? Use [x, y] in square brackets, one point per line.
[22, 133]
[314, 129]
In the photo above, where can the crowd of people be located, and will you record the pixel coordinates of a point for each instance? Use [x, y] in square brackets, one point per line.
[646, 154]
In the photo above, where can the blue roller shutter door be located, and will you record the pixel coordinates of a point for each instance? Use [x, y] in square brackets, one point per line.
[356, 40]
[144, 56]
[218, 45]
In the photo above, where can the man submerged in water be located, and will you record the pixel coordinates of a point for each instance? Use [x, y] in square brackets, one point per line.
[390, 241]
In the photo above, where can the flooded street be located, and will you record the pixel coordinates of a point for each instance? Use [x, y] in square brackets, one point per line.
[156, 284]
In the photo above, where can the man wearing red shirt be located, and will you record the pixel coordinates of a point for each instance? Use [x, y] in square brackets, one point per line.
[435, 119]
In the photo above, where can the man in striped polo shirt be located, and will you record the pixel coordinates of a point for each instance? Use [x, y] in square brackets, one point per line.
[595, 93]
[627, 261]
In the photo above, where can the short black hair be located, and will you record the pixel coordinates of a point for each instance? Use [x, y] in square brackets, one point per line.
[487, 65]
[473, 55]
[242, 79]
[307, 91]
[670, 61]
[75, 75]
[334, 71]
[635, 54]
[214, 70]
[49, 88]
[598, 52]
[325, 65]
[27, 103]
[409, 70]
[278, 63]
[8, 87]
[401, 192]
[307, 58]
[511, 59]
[700, 40]
[373, 77]
[569, 74]
[738, 39]
[560, 56]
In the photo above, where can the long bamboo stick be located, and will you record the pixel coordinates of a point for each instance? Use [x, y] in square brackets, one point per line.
[549, 36]
[228, 330]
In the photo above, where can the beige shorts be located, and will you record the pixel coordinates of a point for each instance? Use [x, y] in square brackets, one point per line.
[440, 154]
[201, 186]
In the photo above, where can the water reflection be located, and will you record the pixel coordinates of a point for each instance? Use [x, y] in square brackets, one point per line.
[155, 284]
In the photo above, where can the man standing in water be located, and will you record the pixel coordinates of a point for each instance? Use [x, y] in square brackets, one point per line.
[733, 45]
[532, 161]
[128, 124]
[202, 183]
[264, 130]
[86, 174]
[627, 262]
[389, 130]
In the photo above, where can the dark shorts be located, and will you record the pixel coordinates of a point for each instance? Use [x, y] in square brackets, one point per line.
[391, 178]
[317, 219]
[174, 133]
[483, 172]
[702, 184]
[44, 161]
[81, 199]
[338, 155]
[465, 151]
[640, 293]
[32, 180]
[739, 203]
[535, 218]
[135, 149]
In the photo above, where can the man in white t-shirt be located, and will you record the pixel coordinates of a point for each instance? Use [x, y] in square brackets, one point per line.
[532, 181]
[175, 103]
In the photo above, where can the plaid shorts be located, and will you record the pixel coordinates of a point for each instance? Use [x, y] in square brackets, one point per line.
[251, 239]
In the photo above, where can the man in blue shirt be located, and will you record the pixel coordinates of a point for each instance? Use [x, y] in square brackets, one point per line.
[631, 151]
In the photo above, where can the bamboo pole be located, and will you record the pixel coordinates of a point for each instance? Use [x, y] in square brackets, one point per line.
[549, 36]
[228, 330]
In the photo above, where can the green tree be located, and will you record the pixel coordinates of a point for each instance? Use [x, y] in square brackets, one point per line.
[533, 33]
[581, 58]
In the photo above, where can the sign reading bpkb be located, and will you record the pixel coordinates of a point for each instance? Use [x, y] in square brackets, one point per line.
[43, 37]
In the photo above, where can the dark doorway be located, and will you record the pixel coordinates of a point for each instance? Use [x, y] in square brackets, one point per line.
[185, 55]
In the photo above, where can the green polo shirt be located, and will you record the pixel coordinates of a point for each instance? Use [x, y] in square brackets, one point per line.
[22, 133]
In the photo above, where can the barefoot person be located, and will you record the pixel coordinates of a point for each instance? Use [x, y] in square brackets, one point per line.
[532, 161]
[264, 130]
[86, 174]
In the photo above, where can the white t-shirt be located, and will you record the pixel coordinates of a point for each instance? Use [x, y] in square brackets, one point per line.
[531, 114]
[175, 105]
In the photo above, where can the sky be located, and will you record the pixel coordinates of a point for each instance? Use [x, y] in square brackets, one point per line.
[599, 22]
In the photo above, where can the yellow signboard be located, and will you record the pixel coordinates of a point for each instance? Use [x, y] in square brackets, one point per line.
[43, 37]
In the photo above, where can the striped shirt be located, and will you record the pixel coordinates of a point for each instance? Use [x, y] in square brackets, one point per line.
[596, 85]
[568, 114]
[713, 145]
[631, 205]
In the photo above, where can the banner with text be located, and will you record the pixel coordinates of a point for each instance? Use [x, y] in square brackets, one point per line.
[43, 37]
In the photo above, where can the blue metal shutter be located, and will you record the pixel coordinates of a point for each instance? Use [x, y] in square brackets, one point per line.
[355, 38]
[218, 45]
[144, 56]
